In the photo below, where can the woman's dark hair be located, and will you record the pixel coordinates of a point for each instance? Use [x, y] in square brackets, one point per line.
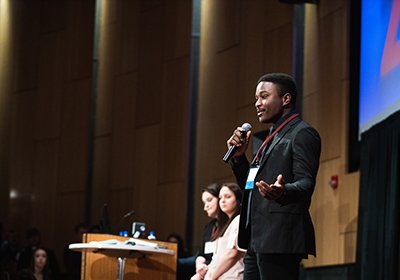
[46, 269]
[212, 189]
[222, 218]
[238, 195]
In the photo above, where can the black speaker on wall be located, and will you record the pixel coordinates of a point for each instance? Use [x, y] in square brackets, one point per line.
[299, 1]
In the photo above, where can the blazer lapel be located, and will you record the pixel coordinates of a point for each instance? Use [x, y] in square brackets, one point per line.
[277, 139]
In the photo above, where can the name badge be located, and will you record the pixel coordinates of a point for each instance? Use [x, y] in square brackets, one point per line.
[209, 247]
[250, 178]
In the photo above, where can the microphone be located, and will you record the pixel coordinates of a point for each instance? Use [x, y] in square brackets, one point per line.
[232, 149]
[130, 213]
[120, 223]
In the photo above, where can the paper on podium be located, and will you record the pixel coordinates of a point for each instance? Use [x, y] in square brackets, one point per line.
[140, 242]
[114, 247]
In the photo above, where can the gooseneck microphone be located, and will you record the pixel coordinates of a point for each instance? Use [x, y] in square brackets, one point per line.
[232, 149]
[130, 213]
[122, 221]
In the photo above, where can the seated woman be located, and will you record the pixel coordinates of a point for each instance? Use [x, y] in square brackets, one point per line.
[227, 261]
[198, 263]
[39, 269]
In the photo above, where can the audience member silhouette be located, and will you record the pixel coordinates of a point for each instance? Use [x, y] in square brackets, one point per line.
[25, 256]
[176, 238]
[39, 268]
[8, 255]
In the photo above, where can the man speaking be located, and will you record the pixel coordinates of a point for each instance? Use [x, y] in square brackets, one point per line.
[275, 223]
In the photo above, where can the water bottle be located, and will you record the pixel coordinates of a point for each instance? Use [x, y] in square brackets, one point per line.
[151, 236]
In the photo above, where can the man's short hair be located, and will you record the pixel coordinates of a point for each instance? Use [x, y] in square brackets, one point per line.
[285, 82]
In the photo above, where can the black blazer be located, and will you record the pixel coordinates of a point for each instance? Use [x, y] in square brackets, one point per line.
[207, 234]
[284, 225]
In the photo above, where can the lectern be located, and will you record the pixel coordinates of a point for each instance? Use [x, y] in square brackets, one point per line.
[127, 262]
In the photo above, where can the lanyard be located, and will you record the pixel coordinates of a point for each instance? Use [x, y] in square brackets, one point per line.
[269, 138]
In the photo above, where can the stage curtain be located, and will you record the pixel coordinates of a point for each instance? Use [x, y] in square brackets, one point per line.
[378, 221]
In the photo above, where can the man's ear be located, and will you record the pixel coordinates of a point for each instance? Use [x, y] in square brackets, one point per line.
[287, 99]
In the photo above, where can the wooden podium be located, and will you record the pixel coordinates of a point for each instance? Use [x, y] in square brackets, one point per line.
[136, 264]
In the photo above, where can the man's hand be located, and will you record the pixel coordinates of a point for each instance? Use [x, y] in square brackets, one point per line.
[271, 191]
[239, 141]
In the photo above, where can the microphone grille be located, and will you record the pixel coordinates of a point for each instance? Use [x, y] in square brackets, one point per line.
[246, 127]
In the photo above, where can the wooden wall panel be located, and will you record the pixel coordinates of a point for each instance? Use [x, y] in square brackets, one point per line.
[348, 217]
[173, 215]
[44, 188]
[146, 188]
[120, 203]
[174, 126]
[151, 49]
[101, 176]
[328, 7]
[74, 142]
[175, 32]
[50, 86]
[68, 213]
[53, 15]
[220, 105]
[105, 80]
[325, 215]
[7, 54]
[21, 141]
[79, 39]
[333, 45]
[251, 50]
[26, 75]
[48, 120]
[24, 20]
[124, 146]
[109, 12]
[21, 159]
[279, 48]
[75, 104]
[226, 29]
[141, 133]
[310, 111]
[72, 162]
[277, 14]
[311, 59]
[332, 75]
[129, 36]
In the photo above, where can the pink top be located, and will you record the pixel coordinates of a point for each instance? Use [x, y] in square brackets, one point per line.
[221, 244]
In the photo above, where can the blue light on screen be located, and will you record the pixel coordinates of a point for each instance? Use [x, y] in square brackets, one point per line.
[379, 61]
